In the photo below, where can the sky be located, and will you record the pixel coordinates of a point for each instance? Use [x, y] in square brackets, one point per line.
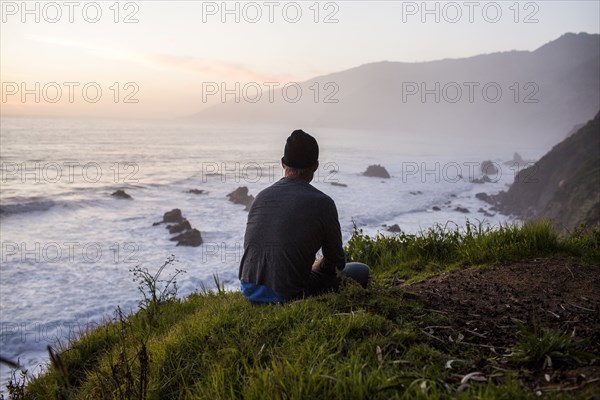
[155, 59]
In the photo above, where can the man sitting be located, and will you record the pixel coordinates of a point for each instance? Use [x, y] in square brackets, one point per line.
[287, 224]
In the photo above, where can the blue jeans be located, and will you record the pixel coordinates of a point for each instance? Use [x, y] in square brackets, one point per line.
[322, 281]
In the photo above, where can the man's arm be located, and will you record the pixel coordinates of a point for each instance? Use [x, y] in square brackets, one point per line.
[318, 264]
[333, 252]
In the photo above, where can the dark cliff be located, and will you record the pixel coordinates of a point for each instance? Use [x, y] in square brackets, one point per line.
[564, 185]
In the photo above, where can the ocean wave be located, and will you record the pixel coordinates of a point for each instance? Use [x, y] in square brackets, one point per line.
[26, 207]
[32, 205]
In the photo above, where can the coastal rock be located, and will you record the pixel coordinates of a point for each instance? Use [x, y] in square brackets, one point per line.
[518, 161]
[181, 226]
[436, 208]
[394, 228]
[376, 171]
[485, 212]
[188, 236]
[483, 197]
[517, 158]
[241, 196]
[462, 210]
[488, 167]
[191, 238]
[197, 191]
[173, 216]
[418, 192]
[484, 179]
[121, 194]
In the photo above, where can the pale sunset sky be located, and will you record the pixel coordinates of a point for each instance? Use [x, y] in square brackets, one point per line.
[170, 48]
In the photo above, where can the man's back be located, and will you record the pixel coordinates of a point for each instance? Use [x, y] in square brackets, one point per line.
[287, 224]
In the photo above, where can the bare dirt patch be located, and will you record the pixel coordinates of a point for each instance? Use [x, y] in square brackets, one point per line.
[483, 304]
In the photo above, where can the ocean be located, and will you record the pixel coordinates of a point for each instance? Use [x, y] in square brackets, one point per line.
[67, 245]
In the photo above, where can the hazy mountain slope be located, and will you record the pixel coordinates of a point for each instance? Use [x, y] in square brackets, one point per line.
[564, 185]
[563, 78]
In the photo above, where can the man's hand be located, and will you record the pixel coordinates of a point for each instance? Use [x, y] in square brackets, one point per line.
[318, 263]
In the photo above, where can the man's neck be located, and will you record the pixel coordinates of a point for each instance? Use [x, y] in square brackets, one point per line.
[302, 178]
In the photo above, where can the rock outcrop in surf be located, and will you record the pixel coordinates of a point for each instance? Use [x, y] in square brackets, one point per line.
[376, 171]
[241, 196]
[121, 194]
[188, 236]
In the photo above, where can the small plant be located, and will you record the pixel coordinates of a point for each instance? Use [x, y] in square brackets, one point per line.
[128, 376]
[16, 386]
[129, 366]
[218, 285]
[547, 349]
[149, 286]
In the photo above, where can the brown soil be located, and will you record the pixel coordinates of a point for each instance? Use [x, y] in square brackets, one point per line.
[482, 305]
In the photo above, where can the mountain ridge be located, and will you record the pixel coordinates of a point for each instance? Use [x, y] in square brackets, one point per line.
[561, 77]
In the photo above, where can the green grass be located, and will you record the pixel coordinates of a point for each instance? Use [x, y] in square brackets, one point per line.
[354, 344]
[444, 248]
[547, 349]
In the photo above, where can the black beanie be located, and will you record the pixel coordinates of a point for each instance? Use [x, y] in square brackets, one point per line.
[301, 150]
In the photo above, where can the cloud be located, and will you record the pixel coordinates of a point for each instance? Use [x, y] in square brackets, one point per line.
[224, 70]
[237, 71]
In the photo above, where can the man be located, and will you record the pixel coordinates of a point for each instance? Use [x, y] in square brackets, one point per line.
[287, 224]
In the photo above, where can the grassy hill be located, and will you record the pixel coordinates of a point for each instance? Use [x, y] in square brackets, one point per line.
[510, 313]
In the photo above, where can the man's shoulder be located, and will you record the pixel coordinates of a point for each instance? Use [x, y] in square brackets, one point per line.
[299, 188]
[322, 198]
[319, 193]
